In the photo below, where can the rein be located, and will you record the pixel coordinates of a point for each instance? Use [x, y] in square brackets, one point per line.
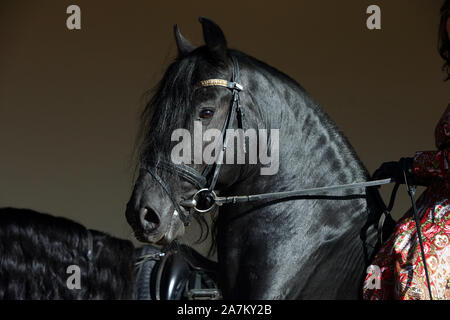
[296, 193]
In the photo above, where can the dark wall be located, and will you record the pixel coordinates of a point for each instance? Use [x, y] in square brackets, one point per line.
[69, 100]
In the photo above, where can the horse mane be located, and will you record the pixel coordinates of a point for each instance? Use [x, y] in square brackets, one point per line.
[167, 108]
[36, 249]
[165, 112]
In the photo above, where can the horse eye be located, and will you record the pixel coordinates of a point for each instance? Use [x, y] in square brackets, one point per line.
[206, 113]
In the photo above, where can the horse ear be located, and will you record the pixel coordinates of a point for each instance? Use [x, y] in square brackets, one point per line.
[214, 38]
[183, 44]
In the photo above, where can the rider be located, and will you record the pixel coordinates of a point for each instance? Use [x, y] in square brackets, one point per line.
[397, 271]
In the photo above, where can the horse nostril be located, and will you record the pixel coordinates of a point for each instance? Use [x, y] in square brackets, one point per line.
[149, 218]
[152, 217]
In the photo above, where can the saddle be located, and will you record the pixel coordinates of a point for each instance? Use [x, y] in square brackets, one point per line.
[178, 274]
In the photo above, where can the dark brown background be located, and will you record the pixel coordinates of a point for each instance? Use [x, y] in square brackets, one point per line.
[69, 100]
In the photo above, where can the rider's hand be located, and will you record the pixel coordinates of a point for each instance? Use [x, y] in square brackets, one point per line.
[394, 170]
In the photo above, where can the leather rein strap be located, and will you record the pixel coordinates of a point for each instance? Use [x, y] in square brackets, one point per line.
[298, 193]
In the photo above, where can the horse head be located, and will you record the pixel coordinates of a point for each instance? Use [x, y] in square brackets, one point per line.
[182, 114]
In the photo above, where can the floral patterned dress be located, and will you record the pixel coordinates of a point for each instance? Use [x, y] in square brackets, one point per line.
[397, 271]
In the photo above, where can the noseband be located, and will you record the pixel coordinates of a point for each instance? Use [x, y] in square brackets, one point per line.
[193, 176]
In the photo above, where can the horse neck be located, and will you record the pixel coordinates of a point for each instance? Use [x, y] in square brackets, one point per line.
[313, 152]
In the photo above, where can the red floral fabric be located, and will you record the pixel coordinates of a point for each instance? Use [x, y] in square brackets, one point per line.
[430, 166]
[397, 271]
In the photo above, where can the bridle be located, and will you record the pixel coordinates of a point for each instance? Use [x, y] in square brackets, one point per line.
[200, 179]
[206, 194]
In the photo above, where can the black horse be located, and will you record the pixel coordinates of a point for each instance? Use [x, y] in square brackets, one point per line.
[37, 251]
[307, 248]
[39, 255]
